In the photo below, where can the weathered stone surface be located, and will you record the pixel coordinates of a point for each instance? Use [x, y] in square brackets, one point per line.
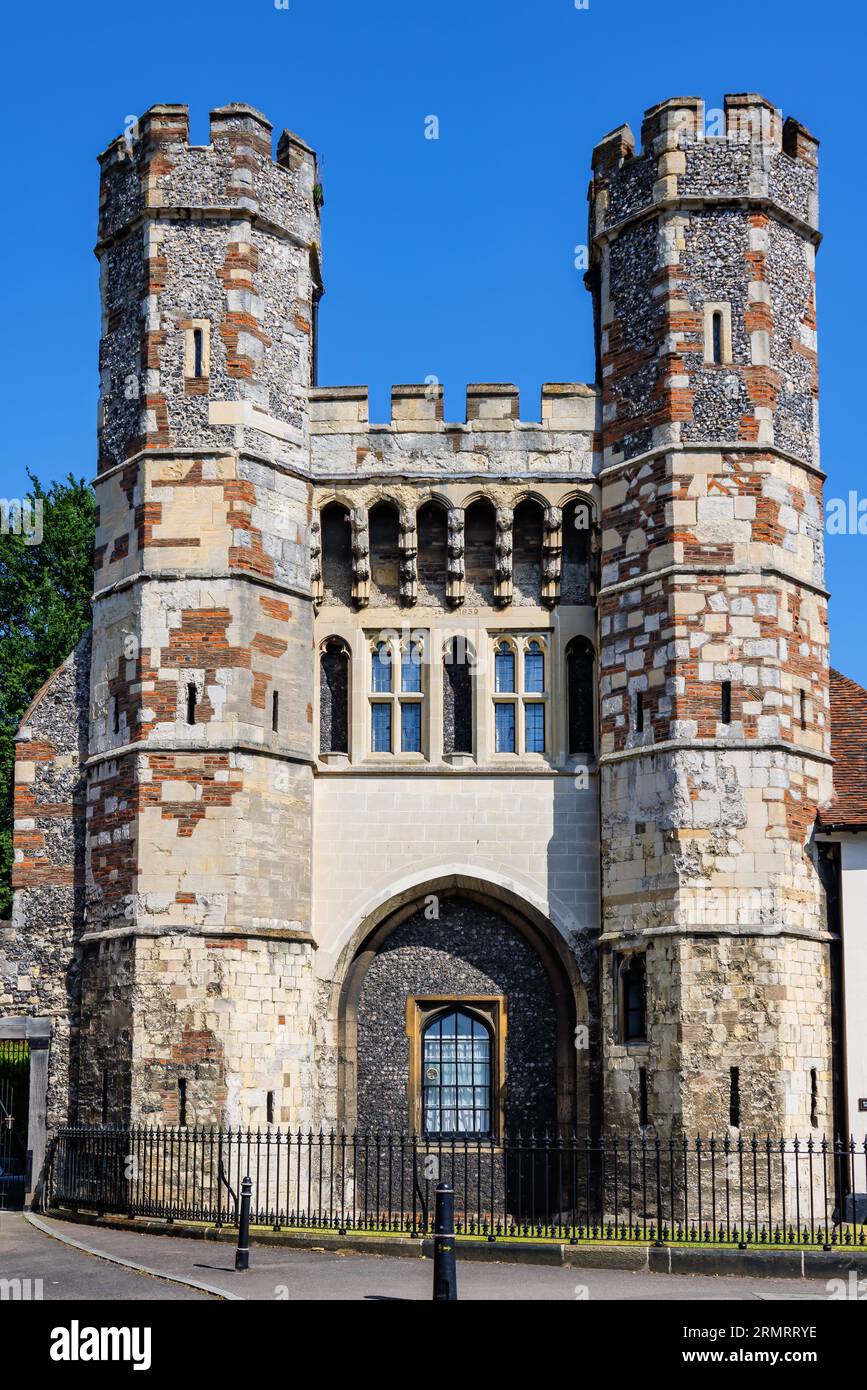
[249, 849]
[712, 574]
[40, 956]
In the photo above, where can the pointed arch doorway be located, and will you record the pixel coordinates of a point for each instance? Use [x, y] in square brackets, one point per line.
[459, 950]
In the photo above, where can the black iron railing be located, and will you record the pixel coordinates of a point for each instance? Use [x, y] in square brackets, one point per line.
[740, 1191]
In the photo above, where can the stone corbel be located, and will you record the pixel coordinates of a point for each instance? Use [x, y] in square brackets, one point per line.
[360, 557]
[455, 577]
[316, 589]
[503, 556]
[408, 557]
[552, 555]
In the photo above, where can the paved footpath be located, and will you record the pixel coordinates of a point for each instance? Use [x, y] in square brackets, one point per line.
[310, 1275]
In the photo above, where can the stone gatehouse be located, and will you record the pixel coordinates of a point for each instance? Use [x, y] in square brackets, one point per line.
[433, 775]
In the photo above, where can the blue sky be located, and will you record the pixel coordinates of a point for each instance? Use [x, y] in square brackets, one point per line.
[451, 257]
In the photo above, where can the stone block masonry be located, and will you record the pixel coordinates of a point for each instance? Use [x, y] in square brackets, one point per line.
[199, 804]
[712, 615]
[246, 849]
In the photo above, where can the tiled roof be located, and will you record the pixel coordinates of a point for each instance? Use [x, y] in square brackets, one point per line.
[849, 750]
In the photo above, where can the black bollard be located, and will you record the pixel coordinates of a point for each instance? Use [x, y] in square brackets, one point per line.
[445, 1275]
[242, 1254]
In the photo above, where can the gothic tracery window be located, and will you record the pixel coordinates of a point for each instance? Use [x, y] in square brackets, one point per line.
[520, 696]
[396, 695]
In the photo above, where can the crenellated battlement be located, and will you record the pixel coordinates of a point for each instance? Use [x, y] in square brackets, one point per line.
[743, 155]
[492, 441]
[153, 168]
[210, 276]
[418, 409]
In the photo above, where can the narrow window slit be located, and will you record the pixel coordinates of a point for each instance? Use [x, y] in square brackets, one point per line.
[726, 702]
[814, 1098]
[191, 704]
[734, 1097]
[182, 1101]
[457, 697]
[633, 999]
[716, 338]
[639, 712]
[275, 711]
[642, 1096]
[803, 702]
[198, 354]
[269, 1108]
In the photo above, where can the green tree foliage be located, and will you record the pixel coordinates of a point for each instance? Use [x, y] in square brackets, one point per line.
[45, 593]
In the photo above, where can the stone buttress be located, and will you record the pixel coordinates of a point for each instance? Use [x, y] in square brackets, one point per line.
[197, 968]
[713, 627]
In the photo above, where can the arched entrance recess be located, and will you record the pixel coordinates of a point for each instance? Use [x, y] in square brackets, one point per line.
[474, 924]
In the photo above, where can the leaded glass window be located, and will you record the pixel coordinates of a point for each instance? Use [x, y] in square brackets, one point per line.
[505, 728]
[397, 695]
[380, 727]
[520, 696]
[456, 1075]
[410, 669]
[504, 669]
[410, 727]
[534, 728]
[534, 669]
[380, 672]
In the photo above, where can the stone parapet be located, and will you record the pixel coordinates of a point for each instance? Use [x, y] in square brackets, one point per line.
[745, 154]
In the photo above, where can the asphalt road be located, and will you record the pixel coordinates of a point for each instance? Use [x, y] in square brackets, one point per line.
[310, 1276]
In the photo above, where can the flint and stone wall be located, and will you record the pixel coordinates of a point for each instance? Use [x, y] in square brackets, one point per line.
[205, 927]
[198, 938]
[466, 949]
[40, 960]
[712, 572]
